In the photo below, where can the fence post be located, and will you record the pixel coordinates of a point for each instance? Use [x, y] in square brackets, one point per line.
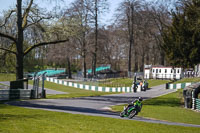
[43, 91]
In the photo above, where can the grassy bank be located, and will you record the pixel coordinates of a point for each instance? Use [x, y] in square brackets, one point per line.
[72, 92]
[119, 82]
[188, 80]
[75, 92]
[153, 82]
[20, 120]
[168, 107]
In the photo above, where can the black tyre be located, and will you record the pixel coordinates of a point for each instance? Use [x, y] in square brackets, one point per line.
[122, 114]
[132, 114]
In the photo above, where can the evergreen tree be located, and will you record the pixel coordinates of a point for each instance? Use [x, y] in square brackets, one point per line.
[182, 38]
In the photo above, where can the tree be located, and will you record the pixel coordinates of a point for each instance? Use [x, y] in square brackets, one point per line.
[80, 11]
[182, 37]
[127, 17]
[160, 19]
[24, 20]
[99, 6]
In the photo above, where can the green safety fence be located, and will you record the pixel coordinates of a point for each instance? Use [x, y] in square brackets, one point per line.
[93, 87]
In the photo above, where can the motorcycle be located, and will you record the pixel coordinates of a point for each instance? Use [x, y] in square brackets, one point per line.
[130, 111]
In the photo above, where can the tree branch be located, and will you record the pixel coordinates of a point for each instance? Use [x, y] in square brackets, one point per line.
[37, 21]
[25, 15]
[6, 19]
[43, 44]
[8, 37]
[10, 51]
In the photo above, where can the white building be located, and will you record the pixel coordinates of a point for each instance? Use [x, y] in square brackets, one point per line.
[161, 72]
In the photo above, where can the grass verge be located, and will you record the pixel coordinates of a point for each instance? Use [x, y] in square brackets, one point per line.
[21, 120]
[75, 92]
[72, 92]
[188, 80]
[154, 82]
[168, 107]
[120, 82]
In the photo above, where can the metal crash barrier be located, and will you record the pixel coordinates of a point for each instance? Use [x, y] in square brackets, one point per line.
[38, 90]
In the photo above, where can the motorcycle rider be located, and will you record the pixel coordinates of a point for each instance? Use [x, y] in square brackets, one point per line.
[137, 103]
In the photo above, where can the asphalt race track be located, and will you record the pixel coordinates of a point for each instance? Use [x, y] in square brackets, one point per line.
[98, 106]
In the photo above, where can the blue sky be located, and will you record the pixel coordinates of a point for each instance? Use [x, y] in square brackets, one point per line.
[6, 4]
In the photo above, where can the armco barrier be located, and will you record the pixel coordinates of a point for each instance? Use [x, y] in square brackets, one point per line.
[91, 87]
[7, 94]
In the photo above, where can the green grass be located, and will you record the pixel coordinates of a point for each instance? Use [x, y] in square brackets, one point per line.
[168, 107]
[113, 82]
[119, 82]
[153, 82]
[7, 77]
[73, 92]
[188, 80]
[21, 120]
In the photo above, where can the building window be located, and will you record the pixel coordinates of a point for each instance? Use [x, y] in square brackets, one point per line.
[165, 70]
[159, 70]
[153, 70]
[178, 71]
[171, 71]
[156, 70]
[174, 70]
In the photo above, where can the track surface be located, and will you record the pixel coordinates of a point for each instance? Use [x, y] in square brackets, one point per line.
[98, 106]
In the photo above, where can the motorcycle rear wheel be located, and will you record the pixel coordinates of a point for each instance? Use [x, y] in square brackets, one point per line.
[132, 114]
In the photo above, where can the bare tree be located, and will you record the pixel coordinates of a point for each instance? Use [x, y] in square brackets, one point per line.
[80, 11]
[99, 6]
[25, 18]
[127, 18]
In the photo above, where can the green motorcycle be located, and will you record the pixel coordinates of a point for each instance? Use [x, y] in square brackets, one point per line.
[131, 110]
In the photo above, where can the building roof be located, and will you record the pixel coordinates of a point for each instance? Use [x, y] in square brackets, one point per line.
[164, 67]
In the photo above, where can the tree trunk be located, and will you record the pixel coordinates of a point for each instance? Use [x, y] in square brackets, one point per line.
[142, 63]
[147, 57]
[19, 45]
[19, 66]
[69, 68]
[130, 55]
[136, 61]
[96, 40]
[131, 37]
[162, 58]
[84, 55]
[84, 63]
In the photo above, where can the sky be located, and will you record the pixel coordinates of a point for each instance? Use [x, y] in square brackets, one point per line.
[113, 4]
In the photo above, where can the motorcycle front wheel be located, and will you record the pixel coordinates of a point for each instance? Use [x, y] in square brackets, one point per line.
[122, 114]
[132, 114]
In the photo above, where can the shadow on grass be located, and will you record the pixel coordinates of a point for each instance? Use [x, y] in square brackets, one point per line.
[113, 99]
[68, 109]
[172, 102]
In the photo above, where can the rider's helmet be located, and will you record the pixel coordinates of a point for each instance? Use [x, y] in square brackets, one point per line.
[140, 99]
